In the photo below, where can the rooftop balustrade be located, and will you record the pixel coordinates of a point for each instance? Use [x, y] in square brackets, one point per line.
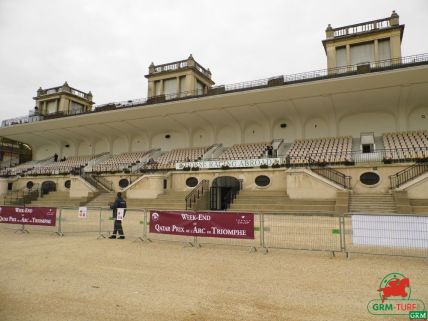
[177, 65]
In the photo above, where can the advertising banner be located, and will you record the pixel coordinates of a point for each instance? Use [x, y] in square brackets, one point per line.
[232, 163]
[206, 224]
[44, 216]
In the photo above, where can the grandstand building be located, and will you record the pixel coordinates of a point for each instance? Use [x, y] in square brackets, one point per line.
[349, 138]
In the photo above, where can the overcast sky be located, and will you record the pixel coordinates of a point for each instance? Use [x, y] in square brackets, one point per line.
[106, 46]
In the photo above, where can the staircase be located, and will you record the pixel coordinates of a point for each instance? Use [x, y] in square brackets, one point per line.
[171, 200]
[408, 174]
[274, 201]
[419, 206]
[57, 199]
[101, 200]
[99, 182]
[372, 203]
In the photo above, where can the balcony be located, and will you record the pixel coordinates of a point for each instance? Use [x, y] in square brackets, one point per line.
[316, 75]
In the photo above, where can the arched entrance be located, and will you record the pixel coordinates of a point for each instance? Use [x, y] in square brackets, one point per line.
[223, 191]
[47, 187]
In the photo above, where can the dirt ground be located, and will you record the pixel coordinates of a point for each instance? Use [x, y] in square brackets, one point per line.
[77, 277]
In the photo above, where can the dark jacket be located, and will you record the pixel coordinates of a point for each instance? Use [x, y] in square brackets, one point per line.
[118, 203]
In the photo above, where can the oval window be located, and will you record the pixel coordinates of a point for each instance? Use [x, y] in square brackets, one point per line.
[262, 180]
[369, 178]
[67, 183]
[191, 182]
[123, 183]
[30, 184]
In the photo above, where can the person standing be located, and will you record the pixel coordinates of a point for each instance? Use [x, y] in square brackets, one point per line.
[119, 202]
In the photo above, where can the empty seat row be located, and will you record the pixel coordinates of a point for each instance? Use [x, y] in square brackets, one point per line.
[412, 145]
[320, 150]
[246, 151]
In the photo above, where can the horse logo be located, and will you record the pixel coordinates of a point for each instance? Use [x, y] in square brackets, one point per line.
[394, 286]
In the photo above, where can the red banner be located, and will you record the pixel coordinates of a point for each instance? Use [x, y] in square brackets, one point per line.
[45, 216]
[207, 224]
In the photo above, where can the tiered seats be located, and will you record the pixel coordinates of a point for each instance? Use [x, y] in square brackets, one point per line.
[411, 145]
[245, 151]
[117, 163]
[168, 160]
[320, 150]
[12, 171]
[62, 167]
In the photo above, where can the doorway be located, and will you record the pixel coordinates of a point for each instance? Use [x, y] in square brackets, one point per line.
[223, 191]
[47, 187]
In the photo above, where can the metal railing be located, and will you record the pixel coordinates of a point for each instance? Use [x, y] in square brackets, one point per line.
[23, 196]
[386, 156]
[376, 66]
[375, 234]
[196, 193]
[104, 182]
[94, 182]
[408, 174]
[331, 174]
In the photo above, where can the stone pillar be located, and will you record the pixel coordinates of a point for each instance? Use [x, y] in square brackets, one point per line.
[394, 20]
[376, 50]
[329, 33]
[395, 43]
[331, 57]
[348, 54]
[3, 186]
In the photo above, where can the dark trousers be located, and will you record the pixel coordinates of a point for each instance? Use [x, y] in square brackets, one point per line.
[117, 227]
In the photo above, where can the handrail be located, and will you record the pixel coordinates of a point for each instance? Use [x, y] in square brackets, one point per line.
[408, 174]
[375, 66]
[196, 193]
[94, 182]
[23, 196]
[103, 181]
[330, 173]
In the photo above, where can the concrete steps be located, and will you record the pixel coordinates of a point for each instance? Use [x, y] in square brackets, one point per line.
[57, 199]
[372, 203]
[419, 206]
[102, 200]
[268, 201]
[169, 200]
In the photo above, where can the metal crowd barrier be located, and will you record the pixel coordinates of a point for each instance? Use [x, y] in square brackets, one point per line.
[376, 234]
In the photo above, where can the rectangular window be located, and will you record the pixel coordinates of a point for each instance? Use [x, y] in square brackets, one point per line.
[362, 53]
[76, 108]
[158, 88]
[199, 88]
[51, 107]
[341, 57]
[384, 49]
[170, 88]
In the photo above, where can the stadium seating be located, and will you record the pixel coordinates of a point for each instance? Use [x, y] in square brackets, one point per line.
[246, 151]
[117, 163]
[62, 167]
[406, 146]
[168, 160]
[17, 170]
[320, 150]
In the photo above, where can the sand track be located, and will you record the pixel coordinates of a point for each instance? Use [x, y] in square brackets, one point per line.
[76, 278]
